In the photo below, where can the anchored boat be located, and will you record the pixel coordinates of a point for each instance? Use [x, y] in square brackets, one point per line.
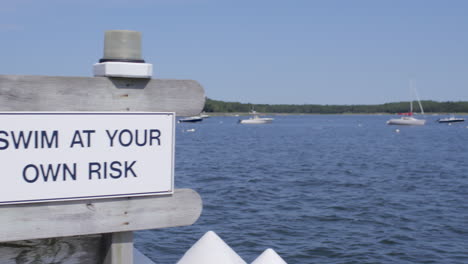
[256, 119]
[191, 119]
[451, 119]
[408, 119]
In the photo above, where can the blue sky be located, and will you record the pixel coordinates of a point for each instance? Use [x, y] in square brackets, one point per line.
[292, 52]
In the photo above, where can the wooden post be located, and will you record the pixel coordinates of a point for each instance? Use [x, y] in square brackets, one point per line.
[119, 248]
[99, 230]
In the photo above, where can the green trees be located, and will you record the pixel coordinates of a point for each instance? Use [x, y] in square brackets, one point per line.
[216, 106]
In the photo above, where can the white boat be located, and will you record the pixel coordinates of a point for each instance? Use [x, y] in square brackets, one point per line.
[204, 115]
[408, 119]
[256, 119]
[451, 119]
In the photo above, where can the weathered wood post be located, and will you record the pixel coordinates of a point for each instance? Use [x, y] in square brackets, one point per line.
[81, 158]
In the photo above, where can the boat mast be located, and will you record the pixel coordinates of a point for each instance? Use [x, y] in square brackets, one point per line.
[419, 101]
[417, 97]
[411, 102]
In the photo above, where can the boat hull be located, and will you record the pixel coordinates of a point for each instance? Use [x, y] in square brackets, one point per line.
[454, 120]
[406, 122]
[190, 120]
[256, 121]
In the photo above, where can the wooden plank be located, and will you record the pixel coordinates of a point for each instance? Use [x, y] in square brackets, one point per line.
[77, 249]
[52, 93]
[119, 248]
[72, 218]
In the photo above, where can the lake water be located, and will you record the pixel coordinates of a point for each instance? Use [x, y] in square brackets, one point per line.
[323, 189]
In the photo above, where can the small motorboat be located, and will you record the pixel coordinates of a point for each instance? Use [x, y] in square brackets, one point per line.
[204, 115]
[191, 119]
[451, 119]
[256, 119]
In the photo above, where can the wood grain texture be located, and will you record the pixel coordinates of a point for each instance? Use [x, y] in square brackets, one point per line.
[52, 93]
[64, 250]
[72, 218]
[70, 250]
[119, 248]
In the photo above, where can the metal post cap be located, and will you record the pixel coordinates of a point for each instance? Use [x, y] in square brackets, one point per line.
[122, 46]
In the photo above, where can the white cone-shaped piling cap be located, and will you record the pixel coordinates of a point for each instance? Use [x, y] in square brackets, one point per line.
[211, 249]
[269, 256]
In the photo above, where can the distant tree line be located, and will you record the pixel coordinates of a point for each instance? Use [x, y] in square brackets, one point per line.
[390, 108]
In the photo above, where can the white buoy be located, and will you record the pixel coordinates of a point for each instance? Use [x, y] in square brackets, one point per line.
[191, 130]
[397, 130]
[211, 249]
[269, 256]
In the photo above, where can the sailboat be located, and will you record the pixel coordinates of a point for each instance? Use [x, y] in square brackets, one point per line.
[408, 119]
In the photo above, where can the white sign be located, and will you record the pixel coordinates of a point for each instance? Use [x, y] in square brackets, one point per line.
[82, 155]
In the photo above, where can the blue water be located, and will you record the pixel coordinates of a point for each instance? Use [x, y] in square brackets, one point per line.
[323, 189]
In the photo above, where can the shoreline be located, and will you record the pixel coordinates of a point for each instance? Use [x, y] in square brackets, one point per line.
[234, 114]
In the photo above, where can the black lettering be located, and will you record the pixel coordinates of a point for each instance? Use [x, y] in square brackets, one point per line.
[21, 139]
[130, 138]
[4, 143]
[155, 137]
[72, 173]
[36, 140]
[115, 168]
[88, 134]
[104, 175]
[94, 168]
[129, 168]
[50, 143]
[111, 137]
[35, 175]
[138, 135]
[77, 139]
[50, 170]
